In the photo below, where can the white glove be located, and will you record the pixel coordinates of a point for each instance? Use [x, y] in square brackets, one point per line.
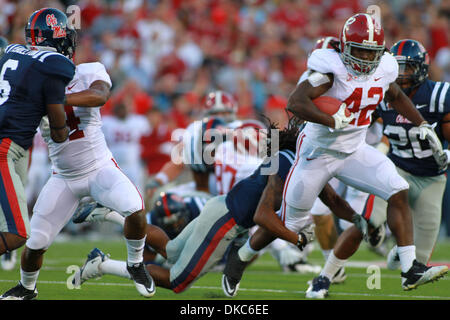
[426, 131]
[442, 159]
[305, 236]
[340, 119]
[44, 126]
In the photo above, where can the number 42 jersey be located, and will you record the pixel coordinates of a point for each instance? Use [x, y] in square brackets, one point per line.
[85, 150]
[407, 151]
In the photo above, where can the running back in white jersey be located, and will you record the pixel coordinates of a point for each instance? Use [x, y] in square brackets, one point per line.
[85, 150]
[231, 166]
[362, 95]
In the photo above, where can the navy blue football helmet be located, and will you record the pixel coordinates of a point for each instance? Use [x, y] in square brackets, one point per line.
[170, 214]
[411, 54]
[49, 27]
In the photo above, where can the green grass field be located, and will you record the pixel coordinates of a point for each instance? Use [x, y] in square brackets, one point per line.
[264, 280]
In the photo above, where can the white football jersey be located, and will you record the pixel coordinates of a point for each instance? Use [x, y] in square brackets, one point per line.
[362, 96]
[231, 166]
[85, 150]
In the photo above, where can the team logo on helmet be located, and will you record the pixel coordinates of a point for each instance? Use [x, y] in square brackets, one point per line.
[52, 22]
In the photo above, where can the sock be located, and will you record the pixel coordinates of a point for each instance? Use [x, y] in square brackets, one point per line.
[246, 253]
[115, 217]
[29, 279]
[114, 267]
[332, 266]
[135, 250]
[407, 255]
[326, 254]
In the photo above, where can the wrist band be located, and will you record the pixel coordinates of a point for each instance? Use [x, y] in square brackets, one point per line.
[161, 176]
[58, 128]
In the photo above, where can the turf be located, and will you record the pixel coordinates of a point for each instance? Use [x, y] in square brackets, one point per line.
[264, 280]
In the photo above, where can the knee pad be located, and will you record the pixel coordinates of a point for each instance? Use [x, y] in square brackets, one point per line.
[38, 240]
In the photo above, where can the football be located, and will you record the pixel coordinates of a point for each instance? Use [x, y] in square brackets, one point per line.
[329, 105]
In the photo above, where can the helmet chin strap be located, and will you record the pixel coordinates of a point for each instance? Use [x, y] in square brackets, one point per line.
[41, 48]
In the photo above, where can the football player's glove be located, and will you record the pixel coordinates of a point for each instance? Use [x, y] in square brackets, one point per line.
[305, 236]
[426, 131]
[340, 119]
[442, 159]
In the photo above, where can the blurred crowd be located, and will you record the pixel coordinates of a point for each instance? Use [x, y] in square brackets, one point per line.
[164, 55]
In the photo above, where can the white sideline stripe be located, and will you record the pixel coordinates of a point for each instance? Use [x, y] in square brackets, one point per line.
[250, 290]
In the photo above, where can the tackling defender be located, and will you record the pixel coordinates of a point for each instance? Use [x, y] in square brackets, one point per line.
[204, 241]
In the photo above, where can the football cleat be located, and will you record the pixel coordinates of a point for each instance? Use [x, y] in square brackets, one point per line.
[420, 274]
[339, 277]
[90, 212]
[19, 292]
[143, 281]
[232, 274]
[8, 260]
[318, 289]
[90, 269]
[393, 260]
[377, 236]
[230, 286]
[302, 267]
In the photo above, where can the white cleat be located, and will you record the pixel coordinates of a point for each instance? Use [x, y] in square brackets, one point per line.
[339, 277]
[318, 289]
[90, 212]
[90, 269]
[393, 260]
[8, 260]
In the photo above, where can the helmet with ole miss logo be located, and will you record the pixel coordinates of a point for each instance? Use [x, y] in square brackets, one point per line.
[220, 102]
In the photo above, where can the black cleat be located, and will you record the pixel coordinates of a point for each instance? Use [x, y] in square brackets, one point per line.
[143, 281]
[19, 292]
[420, 274]
[232, 274]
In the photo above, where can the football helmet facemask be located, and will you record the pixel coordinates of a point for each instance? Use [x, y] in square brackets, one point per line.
[362, 32]
[413, 61]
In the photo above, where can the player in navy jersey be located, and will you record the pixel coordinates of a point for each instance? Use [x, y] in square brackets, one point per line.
[32, 84]
[417, 161]
[203, 242]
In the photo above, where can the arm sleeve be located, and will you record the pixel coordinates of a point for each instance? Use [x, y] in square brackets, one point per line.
[54, 90]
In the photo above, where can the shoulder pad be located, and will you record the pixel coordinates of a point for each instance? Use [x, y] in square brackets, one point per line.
[93, 71]
[440, 98]
[390, 67]
[324, 61]
[55, 64]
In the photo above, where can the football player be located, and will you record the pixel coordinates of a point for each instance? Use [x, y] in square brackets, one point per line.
[423, 168]
[32, 85]
[415, 160]
[360, 75]
[203, 242]
[82, 165]
[218, 104]
[171, 214]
